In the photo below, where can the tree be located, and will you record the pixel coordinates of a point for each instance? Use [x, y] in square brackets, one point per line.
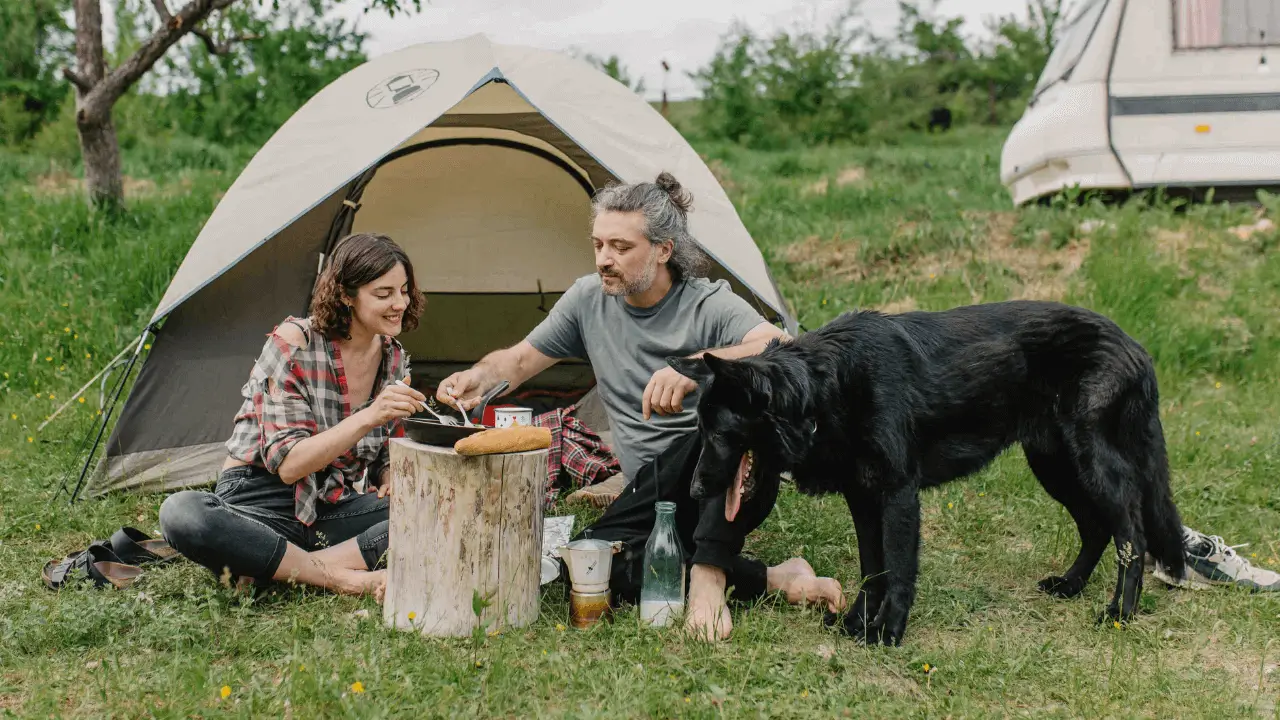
[98, 87]
[243, 96]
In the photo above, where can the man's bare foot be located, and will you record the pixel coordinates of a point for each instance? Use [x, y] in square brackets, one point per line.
[707, 616]
[798, 582]
[380, 592]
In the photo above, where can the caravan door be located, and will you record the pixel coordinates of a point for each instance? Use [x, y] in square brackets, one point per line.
[1194, 98]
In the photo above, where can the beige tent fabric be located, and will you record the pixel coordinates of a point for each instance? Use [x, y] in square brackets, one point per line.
[635, 143]
[348, 126]
[471, 222]
[331, 139]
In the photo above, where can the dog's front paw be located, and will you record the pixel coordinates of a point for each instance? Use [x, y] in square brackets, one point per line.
[887, 627]
[1112, 615]
[854, 620]
[1061, 587]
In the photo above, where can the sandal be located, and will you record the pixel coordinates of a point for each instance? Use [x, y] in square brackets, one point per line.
[135, 547]
[97, 563]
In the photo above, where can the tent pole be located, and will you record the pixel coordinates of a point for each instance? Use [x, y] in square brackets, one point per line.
[84, 443]
[106, 418]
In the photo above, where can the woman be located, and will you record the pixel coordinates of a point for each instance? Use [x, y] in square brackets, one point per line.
[319, 408]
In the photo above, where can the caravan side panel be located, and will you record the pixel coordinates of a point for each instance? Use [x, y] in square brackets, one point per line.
[1195, 100]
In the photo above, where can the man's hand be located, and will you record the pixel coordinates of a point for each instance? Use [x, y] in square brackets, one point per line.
[384, 483]
[665, 393]
[467, 387]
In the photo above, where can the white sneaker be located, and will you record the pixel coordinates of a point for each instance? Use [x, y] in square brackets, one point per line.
[1211, 561]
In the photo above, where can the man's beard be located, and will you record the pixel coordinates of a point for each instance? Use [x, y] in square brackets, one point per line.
[633, 286]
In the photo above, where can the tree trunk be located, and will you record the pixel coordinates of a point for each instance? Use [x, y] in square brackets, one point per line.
[99, 148]
[462, 526]
[98, 90]
[101, 153]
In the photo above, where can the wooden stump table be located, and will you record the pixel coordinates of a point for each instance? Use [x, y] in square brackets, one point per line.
[462, 525]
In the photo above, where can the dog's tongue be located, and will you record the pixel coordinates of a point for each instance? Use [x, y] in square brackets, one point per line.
[733, 496]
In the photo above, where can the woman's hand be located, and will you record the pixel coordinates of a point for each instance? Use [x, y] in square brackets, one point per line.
[395, 402]
[384, 483]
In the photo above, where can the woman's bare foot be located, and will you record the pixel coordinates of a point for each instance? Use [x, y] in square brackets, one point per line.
[707, 616]
[360, 582]
[380, 592]
[368, 582]
[798, 582]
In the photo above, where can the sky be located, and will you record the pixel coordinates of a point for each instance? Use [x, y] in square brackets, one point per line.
[641, 32]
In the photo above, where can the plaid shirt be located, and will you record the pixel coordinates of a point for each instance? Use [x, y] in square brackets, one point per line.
[576, 450]
[294, 393]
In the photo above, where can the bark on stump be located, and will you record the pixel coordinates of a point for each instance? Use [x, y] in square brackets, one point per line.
[459, 526]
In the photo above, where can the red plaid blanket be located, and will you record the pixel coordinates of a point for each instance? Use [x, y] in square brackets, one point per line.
[576, 451]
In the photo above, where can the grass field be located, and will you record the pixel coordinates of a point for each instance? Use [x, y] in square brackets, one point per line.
[921, 225]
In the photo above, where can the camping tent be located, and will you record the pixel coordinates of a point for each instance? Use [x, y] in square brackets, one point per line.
[1148, 93]
[480, 160]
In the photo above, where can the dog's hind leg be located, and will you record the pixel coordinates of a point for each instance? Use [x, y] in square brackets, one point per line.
[1115, 491]
[866, 511]
[1058, 474]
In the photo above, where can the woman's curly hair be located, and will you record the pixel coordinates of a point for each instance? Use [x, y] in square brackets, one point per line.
[358, 260]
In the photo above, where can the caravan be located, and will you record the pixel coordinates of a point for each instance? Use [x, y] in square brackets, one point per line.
[1151, 93]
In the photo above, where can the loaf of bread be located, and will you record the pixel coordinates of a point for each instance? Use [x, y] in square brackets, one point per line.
[512, 439]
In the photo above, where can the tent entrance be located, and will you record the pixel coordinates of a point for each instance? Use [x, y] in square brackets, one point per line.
[495, 216]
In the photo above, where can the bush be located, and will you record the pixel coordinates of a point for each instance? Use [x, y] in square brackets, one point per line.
[841, 82]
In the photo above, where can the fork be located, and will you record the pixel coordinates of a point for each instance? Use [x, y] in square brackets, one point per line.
[443, 420]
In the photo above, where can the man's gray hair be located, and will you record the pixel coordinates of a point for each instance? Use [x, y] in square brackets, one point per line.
[665, 206]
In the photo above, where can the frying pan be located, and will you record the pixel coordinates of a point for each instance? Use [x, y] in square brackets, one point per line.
[426, 429]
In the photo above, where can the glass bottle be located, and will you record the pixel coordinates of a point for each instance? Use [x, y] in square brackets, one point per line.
[662, 592]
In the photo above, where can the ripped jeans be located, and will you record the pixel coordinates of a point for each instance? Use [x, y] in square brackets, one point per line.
[245, 524]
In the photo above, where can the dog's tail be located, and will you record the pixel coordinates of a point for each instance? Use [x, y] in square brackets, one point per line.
[1160, 519]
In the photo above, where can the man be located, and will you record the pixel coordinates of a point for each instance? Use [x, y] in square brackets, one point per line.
[649, 300]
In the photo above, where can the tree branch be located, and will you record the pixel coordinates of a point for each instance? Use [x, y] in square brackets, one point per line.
[216, 48]
[78, 80]
[105, 93]
[165, 16]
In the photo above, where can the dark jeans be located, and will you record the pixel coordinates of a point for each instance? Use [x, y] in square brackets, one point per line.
[707, 538]
[246, 523]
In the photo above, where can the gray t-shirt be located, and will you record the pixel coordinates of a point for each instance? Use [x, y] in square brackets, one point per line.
[626, 345]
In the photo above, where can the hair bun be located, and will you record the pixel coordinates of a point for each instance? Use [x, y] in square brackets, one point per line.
[681, 197]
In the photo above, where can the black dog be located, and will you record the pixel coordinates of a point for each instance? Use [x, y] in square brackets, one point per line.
[940, 119]
[876, 407]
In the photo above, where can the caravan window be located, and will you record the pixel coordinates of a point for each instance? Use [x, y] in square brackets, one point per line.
[1201, 24]
[1071, 44]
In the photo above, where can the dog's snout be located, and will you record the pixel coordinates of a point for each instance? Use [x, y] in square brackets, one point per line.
[697, 490]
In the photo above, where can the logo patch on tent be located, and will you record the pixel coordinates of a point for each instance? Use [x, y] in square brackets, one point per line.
[401, 88]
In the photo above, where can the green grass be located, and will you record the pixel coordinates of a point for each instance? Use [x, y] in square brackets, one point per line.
[920, 224]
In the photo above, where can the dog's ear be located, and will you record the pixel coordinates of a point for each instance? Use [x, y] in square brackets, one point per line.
[743, 375]
[693, 368]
